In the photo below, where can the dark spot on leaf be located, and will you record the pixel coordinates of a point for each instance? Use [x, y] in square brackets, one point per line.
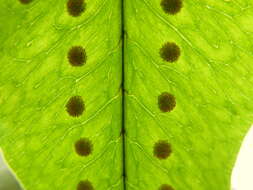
[84, 185]
[75, 106]
[166, 102]
[171, 6]
[76, 7]
[170, 52]
[25, 1]
[83, 147]
[165, 187]
[77, 56]
[162, 149]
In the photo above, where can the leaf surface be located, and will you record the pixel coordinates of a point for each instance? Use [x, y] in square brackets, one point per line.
[37, 135]
[211, 81]
[185, 113]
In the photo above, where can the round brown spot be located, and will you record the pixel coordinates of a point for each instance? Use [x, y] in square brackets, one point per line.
[84, 185]
[25, 1]
[83, 147]
[165, 187]
[76, 7]
[170, 52]
[171, 6]
[77, 56]
[166, 102]
[162, 149]
[75, 106]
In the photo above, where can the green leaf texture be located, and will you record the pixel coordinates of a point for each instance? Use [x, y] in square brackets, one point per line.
[211, 81]
[36, 81]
